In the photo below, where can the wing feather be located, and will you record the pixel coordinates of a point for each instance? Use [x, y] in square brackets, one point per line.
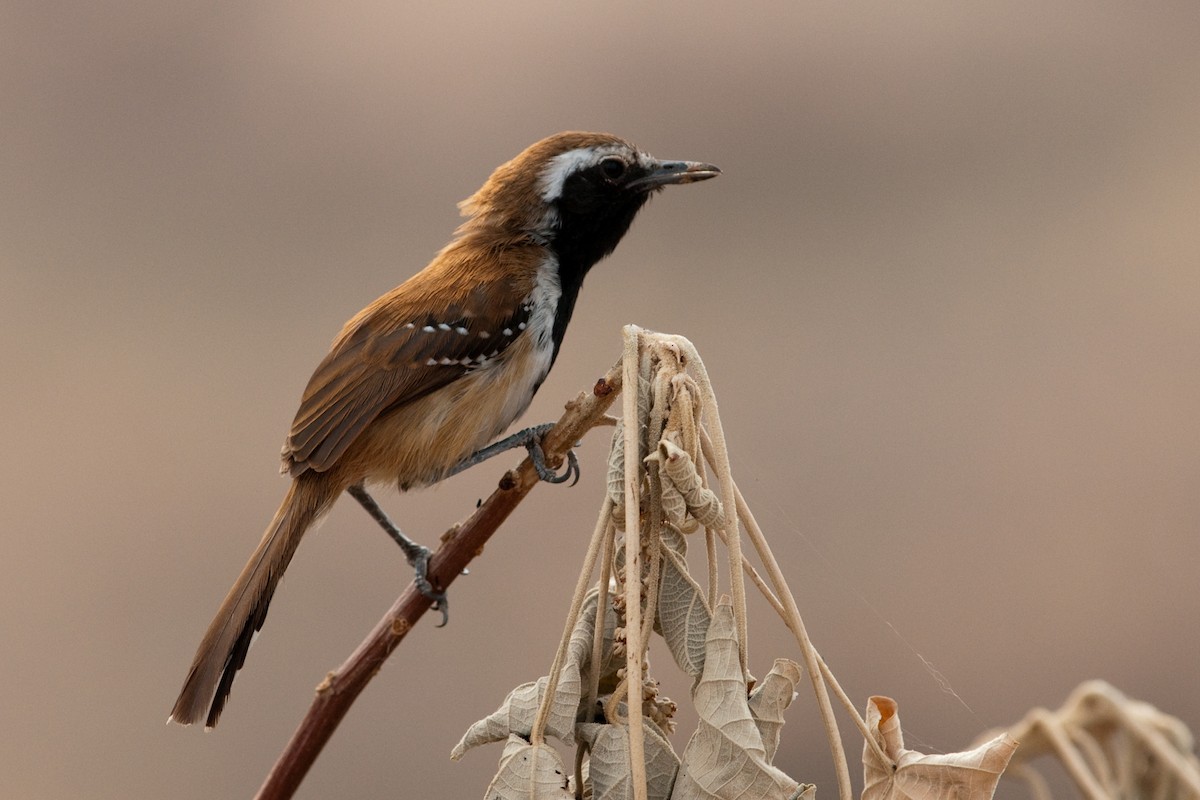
[395, 351]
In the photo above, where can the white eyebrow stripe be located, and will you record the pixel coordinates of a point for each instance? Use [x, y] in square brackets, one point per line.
[563, 165]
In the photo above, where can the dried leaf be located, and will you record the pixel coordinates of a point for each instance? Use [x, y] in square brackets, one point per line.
[771, 698]
[683, 613]
[529, 772]
[674, 508]
[726, 758]
[608, 762]
[683, 424]
[517, 712]
[970, 775]
[678, 469]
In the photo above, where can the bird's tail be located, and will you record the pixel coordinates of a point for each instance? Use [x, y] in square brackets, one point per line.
[223, 649]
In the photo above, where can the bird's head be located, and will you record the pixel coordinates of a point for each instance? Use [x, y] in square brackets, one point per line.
[577, 192]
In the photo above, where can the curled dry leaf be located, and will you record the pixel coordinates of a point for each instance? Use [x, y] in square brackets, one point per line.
[674, 508]
[608, 762]
[682, 430]
[970, 775]
[726, 757]
[517, 713]
[683, 614]
[683, 424]
[529, 772]
[677, 468]
[663, 388]
[771, 698]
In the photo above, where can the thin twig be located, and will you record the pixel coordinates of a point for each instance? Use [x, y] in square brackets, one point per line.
[581, 589]
[633, 568]
[459, 547]
[606, 558]
[796, 624]
[658, 416]
[1074, 764]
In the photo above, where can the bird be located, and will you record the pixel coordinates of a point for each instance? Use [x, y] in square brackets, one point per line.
[425, 376]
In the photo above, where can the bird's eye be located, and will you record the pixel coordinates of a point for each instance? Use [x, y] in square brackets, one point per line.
[613, 168]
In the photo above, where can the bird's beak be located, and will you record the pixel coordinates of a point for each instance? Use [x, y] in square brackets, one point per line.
[668, 172]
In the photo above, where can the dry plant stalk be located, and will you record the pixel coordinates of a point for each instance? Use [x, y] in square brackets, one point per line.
[599, 696]
[1110, 746]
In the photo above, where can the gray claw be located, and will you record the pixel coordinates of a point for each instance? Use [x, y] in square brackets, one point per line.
[440, 602]
[547, 474]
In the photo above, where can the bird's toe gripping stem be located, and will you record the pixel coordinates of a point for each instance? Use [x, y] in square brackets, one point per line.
[534, 445]
[420, 564]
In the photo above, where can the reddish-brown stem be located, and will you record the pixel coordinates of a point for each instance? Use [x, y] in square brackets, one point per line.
[459, 547]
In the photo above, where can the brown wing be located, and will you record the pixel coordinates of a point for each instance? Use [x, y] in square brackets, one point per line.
[403, 346]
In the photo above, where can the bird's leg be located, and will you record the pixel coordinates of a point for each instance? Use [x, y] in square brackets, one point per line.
[417, 555]
[531, 440]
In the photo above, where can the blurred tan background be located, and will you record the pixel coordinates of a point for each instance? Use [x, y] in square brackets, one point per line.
[949, 289]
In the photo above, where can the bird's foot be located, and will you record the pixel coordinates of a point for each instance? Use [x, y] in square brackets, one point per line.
[531, 440]
[420, 564]
[538, 456]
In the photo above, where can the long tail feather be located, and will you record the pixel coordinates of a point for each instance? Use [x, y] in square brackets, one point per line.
[223, 649]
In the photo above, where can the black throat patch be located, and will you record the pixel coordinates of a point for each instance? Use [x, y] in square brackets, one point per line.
[591, 225]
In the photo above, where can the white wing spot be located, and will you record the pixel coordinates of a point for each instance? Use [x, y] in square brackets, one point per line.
[443, 326]
[508, 331]
[484, 334]
[409, 326]
[427, 329]
[431, 362]
[461, 331]
[520, 326]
